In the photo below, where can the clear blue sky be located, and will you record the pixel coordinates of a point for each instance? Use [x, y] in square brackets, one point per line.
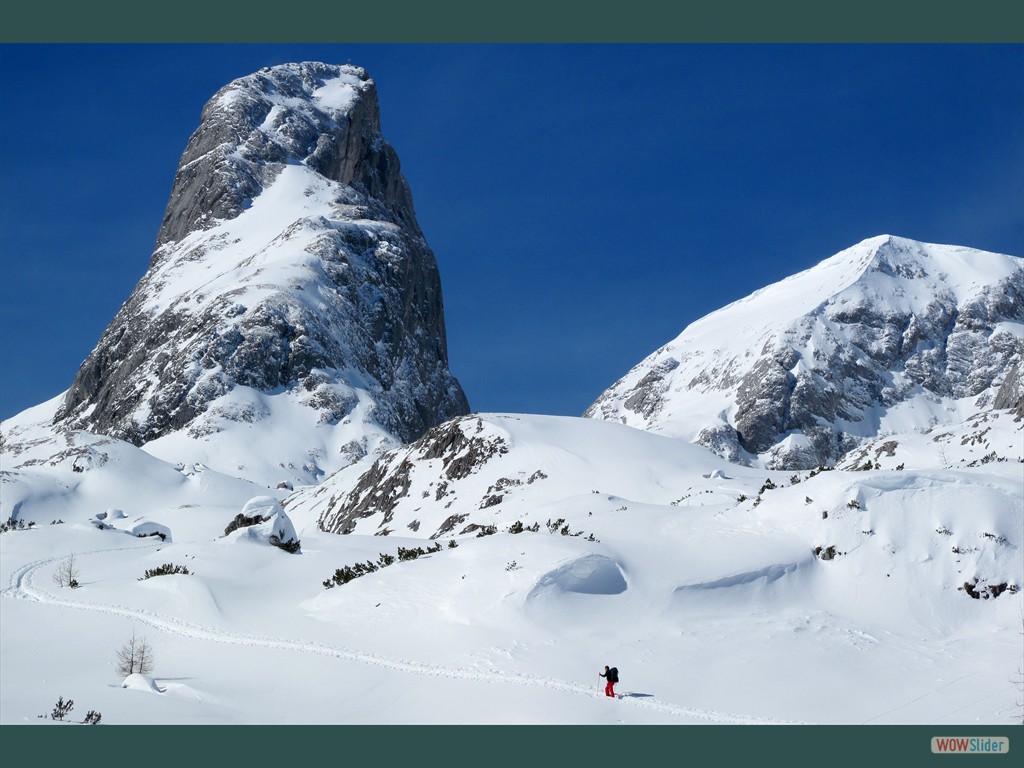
[585, 202]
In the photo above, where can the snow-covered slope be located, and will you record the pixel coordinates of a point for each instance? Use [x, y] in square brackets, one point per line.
[291, 286]
[724, 594]
[888, 335]
[75, 474]
[987, 437]
[535, 476]
[499, 469]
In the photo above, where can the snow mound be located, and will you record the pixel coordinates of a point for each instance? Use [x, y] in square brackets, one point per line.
[137, 682]
[152, 529]
[588, 575]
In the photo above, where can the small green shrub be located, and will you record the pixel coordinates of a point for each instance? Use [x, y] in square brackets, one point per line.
[15, 525]
[167, 569]
[291, 546]
[408, 553]
[553, 527]
[347, 573]
[61, 708]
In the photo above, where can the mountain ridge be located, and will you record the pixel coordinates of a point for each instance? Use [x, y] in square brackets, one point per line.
[799, 372]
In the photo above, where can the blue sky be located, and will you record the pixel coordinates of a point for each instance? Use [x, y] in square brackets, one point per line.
[584, 202]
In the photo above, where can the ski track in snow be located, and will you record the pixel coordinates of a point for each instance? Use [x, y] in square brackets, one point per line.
[927, 694]
[22, 586]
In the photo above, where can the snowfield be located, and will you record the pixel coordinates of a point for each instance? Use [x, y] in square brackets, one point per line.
[837, 597]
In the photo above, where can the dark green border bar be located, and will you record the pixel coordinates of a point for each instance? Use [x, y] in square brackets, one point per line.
[396, 21]
[451, 746]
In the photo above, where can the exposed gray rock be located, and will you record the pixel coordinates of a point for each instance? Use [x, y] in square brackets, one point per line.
[342, 304]
[765, 395]
[1011, 393]
[231, 157]
[462, 447]
[646, 398]
[894, 327]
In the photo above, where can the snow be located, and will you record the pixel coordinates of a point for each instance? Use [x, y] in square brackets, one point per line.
[701, 369]
[715, 610]
[138, 682]
[338, 94]
[253, 254]
[288, 427]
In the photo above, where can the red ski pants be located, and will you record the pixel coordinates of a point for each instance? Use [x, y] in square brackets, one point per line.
[609, 689]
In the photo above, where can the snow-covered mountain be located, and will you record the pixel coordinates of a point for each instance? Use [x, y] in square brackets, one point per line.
[889, 335]
[434, 566]
[291, 319]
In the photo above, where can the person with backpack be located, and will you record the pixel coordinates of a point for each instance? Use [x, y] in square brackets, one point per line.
[611, 674]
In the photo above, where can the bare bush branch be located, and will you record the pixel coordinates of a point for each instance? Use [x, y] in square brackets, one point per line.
[135, 656]
[66, 574]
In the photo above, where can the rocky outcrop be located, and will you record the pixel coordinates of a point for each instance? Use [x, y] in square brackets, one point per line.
[461, 446]
[289, 264]
[1011, 393]
[801, 372]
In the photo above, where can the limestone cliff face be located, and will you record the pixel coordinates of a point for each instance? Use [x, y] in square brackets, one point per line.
[289, 267]
[325, 117]
[888, 334]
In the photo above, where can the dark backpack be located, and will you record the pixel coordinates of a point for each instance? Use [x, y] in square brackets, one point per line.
[613, 675]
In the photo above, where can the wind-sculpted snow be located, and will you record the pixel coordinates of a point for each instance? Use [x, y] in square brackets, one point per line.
[290, 276]
[888, 335]
[766, 575]
[588, 575]
[23, 586]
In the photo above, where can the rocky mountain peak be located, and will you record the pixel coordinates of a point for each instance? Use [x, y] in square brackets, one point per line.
[290, 283]
[323, 116]
[888, 333]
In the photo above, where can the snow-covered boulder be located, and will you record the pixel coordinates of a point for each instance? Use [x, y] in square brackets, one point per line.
[264, 520]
